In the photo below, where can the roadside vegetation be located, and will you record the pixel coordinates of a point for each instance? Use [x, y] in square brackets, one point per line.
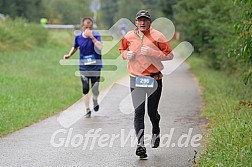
[229, 115]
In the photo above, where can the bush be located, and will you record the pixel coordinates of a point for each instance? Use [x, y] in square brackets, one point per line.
[19, 34]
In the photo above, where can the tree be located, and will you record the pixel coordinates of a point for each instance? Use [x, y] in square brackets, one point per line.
[243, 45]
[206, 24]
[29, 9]
[57, 11]
[65, 11]
[209, 26]
[113, 10]
[167, 7]
[106, 16]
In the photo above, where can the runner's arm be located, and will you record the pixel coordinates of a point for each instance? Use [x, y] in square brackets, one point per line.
[164, 52]
[124, 48]
[97, 43]
[71, 52]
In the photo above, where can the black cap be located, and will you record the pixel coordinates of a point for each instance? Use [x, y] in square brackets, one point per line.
[143, 13]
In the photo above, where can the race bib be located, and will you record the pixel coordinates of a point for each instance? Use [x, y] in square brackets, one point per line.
[144, 82]
[89, 59]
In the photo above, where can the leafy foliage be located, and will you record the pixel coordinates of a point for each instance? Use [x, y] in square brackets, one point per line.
[219, 31]
[113, 10]
[243, 45]
[56, 11]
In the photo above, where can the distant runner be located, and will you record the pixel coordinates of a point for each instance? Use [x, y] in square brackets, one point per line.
[90, 45]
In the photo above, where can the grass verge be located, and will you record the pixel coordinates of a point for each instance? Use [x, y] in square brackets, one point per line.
[229, 111]
[34, 86]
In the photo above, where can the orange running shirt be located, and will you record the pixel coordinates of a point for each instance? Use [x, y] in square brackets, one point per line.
[143, 65]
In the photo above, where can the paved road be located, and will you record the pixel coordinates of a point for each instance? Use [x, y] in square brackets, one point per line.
[67, 139]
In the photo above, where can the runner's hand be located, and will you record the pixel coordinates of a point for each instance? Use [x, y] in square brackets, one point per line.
[145, 50]
[66, 56]
[130, 55]
[88, 33]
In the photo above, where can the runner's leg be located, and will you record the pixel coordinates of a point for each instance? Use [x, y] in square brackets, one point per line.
[138, 99]
[153, 101]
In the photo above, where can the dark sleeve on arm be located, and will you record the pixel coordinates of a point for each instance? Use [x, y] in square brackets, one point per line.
[97, 36]
[76, 45]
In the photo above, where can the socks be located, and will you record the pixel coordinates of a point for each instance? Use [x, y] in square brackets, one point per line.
[96, 105]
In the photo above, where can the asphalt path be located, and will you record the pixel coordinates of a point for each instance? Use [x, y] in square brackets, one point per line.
[107, 138]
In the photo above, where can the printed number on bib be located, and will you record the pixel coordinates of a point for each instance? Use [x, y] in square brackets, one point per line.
[89, 59]
[144, 82]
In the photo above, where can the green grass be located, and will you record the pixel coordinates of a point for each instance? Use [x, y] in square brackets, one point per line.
[34, 86]
[229, 111]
